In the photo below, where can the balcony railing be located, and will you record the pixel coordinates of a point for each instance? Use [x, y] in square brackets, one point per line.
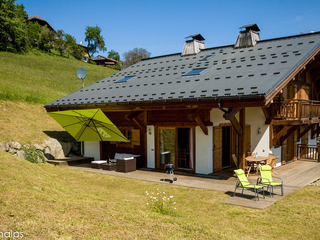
[295, 109]
[306, 151]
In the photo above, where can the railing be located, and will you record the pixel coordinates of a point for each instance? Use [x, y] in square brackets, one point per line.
[306, 151]
[295, 109]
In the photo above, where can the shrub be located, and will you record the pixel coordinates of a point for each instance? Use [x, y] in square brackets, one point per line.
[160, 203]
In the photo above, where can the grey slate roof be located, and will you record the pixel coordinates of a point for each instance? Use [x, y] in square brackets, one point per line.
[230, 73]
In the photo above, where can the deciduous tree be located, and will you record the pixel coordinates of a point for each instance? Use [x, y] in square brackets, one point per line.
[12, 26]
[95, 40]
[134, 56]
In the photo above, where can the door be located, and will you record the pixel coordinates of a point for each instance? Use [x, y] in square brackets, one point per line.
[217, 149]
[167, 148]
[226, 146]
[175, 146]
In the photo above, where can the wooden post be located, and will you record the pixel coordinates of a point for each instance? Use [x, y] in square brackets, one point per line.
[318, 145]
[242, 160]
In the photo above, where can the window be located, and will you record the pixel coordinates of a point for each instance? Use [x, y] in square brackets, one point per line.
[133, 135]
[193, 72]
[125, 79]
[205, 58]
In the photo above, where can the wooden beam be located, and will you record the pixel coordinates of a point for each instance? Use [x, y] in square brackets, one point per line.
[140, 124]
[280, 134]
[132, 115]
[301, 134]
[288, 134]
[315, 132]
[266, 113]
[194, 115]
[202, 125]
[230, 115]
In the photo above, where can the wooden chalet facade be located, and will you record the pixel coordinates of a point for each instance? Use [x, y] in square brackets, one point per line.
[104, 61]
[198, 108]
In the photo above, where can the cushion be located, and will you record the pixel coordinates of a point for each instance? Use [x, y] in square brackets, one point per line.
[118, 156]
[99, 162]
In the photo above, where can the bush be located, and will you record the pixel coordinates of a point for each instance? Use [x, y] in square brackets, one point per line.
[33, 154]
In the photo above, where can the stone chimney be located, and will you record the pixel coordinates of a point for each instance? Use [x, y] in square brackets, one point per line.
[194, 45]
[248, 37]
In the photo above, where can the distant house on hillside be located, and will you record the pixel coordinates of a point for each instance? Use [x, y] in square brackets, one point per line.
[199, 107]
[86, 54]
[41, 22]
[104, 61]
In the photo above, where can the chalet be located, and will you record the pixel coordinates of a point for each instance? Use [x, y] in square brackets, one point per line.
[104, 61]
[202, 105]
[41, 22]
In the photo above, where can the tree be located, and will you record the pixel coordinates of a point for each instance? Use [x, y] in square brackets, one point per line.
[95, 40]
[59, 42]
[135, 56]
[73, 48]
[12, 27]
[114, 55]
[46, 39]
[33, 34]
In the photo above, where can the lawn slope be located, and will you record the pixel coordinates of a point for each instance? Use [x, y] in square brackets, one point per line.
[49, 202]
[45, 78]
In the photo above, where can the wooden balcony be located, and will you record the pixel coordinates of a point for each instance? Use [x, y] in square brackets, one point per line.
[306, 151]
[296, 110]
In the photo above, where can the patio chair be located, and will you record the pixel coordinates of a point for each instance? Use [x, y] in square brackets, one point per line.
[273, 164]
[245, 184]
[270, 157]
[267, 180]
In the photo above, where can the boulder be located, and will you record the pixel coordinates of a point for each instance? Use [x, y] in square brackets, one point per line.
[14, 145]
[37, 146]
[66, 147]
[54, 150]
[4, 147]
[21, 154]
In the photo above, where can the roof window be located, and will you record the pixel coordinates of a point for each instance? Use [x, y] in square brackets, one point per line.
[205, 58]
[194, 72]
[125, 79]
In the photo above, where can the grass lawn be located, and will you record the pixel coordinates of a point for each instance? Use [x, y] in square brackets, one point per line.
[43, 78]
[25, 122]
[48, 202]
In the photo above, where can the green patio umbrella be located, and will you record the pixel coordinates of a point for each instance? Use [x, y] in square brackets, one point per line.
[88, 125]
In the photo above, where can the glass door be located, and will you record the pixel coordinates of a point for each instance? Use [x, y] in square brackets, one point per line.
[167, 145]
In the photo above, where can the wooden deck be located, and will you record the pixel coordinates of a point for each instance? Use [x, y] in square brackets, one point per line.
[71, 161]
[294, 175]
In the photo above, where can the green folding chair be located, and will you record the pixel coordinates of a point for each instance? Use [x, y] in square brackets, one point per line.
[245, 184]
[266, 179]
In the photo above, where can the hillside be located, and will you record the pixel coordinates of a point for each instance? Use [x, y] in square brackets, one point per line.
[27, 83]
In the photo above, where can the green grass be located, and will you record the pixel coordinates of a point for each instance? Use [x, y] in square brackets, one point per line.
[48, 202]
[43, 78]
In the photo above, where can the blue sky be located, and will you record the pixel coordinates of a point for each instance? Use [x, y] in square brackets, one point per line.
[161, 26]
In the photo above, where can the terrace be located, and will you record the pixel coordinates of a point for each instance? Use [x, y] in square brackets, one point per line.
[299, 110]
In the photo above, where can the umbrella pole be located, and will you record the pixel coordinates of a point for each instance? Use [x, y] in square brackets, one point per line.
[82, 148]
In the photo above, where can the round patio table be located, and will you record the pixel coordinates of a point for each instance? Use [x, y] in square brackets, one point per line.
[251, 161]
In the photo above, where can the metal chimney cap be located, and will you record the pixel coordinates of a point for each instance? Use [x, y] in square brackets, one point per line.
[253, 27]
[196, 37]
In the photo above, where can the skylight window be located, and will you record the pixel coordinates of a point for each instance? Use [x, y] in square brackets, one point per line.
[125, 79]
[194, 72]
[205, 58]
